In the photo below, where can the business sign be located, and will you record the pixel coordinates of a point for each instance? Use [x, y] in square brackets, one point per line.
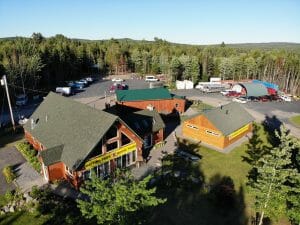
[239, 131]
[110, 155]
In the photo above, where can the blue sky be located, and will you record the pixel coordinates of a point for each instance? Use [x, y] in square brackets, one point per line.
[186, 21]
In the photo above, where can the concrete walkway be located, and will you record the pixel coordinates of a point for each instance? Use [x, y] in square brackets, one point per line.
[27, 177]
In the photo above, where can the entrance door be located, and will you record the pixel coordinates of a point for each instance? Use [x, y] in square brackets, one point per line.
[45, 172]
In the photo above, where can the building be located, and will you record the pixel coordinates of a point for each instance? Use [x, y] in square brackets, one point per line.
[149, 125]
[250, 89]
[159, 99]
[73, 139]
[219, 127]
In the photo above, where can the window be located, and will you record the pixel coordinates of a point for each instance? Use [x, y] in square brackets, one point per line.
[192, 126]
[111, 146]
[176, 105]
[133, 156]
[212, 133]
[124, 139]
[86, 174]
[112, 132]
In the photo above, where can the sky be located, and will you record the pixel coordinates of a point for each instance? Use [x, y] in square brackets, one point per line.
[184, 21]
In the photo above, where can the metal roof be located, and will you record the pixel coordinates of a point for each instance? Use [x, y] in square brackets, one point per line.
[255, 89]
[143, 94]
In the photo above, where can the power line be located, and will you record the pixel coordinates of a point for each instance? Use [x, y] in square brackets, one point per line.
[28, 89]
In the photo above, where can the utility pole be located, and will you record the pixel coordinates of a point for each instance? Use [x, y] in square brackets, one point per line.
[4, 83]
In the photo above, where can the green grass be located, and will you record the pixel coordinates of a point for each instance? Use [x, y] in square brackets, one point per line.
[295, 120]
[188, 204]
[22, 218]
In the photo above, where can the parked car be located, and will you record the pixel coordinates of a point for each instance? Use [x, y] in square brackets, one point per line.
[64, 90]
[117, 79]
[21, 99]
[76, 85]
[225, 92]
[117, 86]
[233, 94]
[274, 98]
[286, 98]
[240, 100]
[263, 98]
[253, 98]
[151, 79]
[187, 156]
[84, 81]
[89, 79]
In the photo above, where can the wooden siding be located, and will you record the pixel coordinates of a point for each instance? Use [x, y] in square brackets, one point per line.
[201, 129]
[162, 106]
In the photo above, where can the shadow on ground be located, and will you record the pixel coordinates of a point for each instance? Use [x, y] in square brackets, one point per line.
[191, 200]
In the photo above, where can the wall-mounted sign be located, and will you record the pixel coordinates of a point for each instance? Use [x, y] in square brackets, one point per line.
[110, 155]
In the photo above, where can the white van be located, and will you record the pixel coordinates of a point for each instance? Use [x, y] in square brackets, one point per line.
[151, 78]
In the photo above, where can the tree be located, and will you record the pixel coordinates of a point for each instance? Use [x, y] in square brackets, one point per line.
[113, 200]
[273, 172]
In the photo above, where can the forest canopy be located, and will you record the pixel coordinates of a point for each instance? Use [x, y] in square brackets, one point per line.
[40, 62]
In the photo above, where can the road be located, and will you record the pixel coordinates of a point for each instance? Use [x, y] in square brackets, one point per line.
[93, 94]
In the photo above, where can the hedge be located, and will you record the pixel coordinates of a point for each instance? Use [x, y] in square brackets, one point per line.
[29, 154]
[8, 174]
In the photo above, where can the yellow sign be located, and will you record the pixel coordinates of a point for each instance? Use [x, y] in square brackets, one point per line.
[110, 155]
[239, 131]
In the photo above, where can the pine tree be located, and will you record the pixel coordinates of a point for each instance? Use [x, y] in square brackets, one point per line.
[273, 171]
[112, 200]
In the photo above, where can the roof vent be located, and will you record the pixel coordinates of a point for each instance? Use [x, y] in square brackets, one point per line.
[46, 118]
[32, 122]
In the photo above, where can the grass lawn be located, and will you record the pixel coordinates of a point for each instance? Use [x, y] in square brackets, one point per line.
[191, 204]
[295, 120]
[22, 218]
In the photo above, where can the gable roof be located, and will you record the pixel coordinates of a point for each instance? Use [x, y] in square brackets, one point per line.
[144, 121]
[52, 155]
[143, 94]
[62, 121]
[255, 89]
[228, 118]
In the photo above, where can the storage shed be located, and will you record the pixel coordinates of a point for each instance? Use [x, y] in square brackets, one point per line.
[219, 127]
[159, 99]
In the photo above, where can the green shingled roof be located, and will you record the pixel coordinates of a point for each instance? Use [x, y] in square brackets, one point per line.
[255, 89]
[143, 94]
[52, 155]
[62, 121]
[144, 121]
[228, 118]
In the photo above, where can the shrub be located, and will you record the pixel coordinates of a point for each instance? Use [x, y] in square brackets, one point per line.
[9, 196]
[30, 154]
[8, 174]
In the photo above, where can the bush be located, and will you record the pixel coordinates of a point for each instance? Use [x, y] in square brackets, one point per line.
[8, 174]
[9, 196]
[30, 155]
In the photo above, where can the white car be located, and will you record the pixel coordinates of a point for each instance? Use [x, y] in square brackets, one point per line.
[225, 92]
[117, 79]
[286, 98]
[240, 100]
[151, 79]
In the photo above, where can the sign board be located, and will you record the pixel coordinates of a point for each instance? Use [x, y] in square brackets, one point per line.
[110, 155]
[239, 131]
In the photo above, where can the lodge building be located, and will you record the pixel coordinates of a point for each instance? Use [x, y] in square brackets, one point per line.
[219, 127]
[73, 140]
